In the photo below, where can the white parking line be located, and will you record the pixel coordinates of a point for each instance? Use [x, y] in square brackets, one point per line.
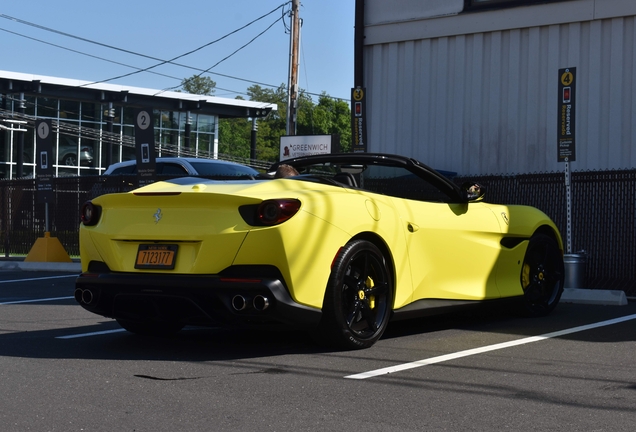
[40, 278]
[475, 351]
[91, 334]
[36, 300]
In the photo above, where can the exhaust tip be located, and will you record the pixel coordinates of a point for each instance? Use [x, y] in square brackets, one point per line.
[78, 295]
[261, 303]
[87, 297]
[239, 303]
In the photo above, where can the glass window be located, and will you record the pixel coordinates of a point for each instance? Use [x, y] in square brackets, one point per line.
[193, 121]
[158, 118]
[167, 120]
[27, 154]
[126, 169]
[4, 152]
[29, 105]
[69, 110]
[171, 169]
[205, 123]
[91, 112]
[128, 150]
[182, 117]
[169, 143]
[129, 115]
[46, 107]
[216, 168]
[74, 151]
[205, 144]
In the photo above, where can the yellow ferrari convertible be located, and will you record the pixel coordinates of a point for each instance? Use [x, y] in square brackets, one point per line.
[340, 246]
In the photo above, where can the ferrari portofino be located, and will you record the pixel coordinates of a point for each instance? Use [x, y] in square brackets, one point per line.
[344, 245]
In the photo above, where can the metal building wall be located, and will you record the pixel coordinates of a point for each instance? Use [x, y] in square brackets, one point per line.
[486, 103]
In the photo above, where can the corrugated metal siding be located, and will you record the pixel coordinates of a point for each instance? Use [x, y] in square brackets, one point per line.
[486, 103]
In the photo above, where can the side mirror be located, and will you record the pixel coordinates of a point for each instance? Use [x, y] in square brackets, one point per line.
[474, 191]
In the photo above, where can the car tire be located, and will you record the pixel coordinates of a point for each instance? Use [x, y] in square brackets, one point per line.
[70, 160]
[358, 299]
[542, 276]
[148, 328]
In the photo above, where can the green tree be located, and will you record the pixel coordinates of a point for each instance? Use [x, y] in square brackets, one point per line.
[197, 84]
[328, 116]
[235, 137]
[332, 116]
[272, 127]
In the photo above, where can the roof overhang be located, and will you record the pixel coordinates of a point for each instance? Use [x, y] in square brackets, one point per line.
[71, 89]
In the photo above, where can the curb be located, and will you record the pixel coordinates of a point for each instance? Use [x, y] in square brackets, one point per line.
[597, 297]
[41, 266]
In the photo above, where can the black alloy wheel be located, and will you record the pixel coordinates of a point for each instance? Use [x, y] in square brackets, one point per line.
[542, 276]
[70, 160]
[359, 297]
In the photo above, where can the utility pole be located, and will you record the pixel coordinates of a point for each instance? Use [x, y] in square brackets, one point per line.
[292, 86]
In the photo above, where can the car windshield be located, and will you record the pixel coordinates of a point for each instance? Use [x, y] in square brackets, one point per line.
[222, 169]
[388, 179]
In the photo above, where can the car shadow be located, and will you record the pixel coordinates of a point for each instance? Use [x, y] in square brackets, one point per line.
[107, 341]
[500, 318]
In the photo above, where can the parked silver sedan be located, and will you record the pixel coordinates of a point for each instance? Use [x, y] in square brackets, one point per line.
[69, 149]
[187, 166]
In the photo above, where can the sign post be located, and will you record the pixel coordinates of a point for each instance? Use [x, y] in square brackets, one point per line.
[566, 150]
[145, 146]
[359, 120]
[44, 164]
[47, 248]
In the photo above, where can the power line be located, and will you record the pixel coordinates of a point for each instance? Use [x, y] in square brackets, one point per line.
[41, 27]
[222, 60]
[83, 53]
[138, 68]
[162, 61]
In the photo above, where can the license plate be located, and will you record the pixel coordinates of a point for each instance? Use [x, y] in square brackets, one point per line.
[156, 256]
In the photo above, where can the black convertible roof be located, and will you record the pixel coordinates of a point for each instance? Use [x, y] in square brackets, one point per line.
[383, 159]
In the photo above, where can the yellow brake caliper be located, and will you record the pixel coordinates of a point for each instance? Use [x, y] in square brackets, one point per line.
[369, 284]
[525, 276]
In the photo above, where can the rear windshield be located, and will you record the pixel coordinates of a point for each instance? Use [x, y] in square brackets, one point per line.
[222, 169]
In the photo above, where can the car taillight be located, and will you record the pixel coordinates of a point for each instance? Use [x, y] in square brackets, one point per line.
[276, 211]
[90, 213]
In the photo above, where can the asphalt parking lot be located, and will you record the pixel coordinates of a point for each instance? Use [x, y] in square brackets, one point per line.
[64, 369]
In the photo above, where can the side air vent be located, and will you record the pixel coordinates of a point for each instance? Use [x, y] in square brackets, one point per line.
[512, 242]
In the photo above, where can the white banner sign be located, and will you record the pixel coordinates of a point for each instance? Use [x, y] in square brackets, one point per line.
[304, 145]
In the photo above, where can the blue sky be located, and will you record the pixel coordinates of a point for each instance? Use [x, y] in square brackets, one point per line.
[37, 43]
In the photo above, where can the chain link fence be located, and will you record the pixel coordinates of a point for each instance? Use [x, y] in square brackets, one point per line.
[603, 214]
[603, 217]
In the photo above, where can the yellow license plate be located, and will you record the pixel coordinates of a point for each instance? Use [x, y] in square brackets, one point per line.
[156, 256]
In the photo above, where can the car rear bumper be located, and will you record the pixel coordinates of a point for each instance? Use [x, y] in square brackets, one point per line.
[205, 300]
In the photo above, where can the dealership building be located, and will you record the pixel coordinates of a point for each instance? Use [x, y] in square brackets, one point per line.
[93, 122]
[502, 86]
